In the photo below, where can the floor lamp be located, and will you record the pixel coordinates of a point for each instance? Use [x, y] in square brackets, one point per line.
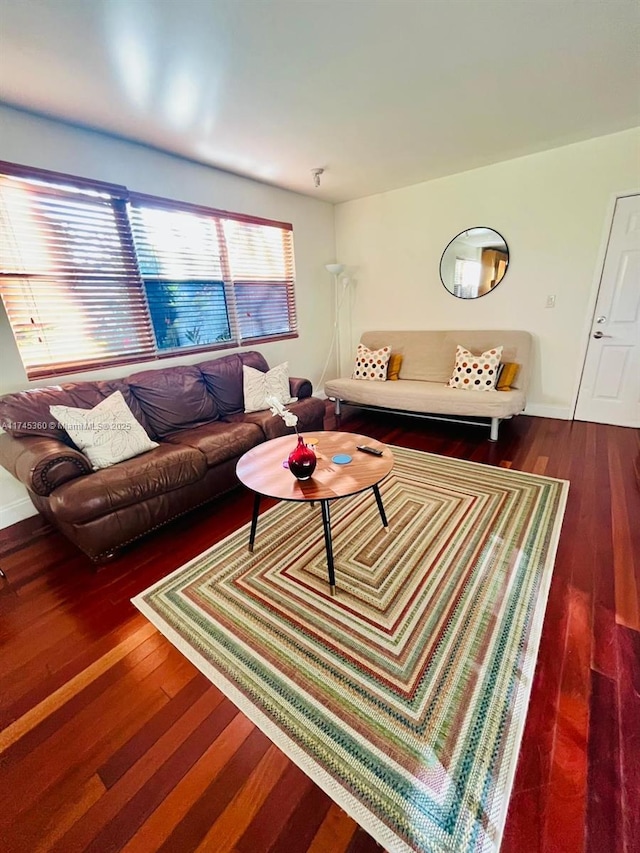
[336, 271]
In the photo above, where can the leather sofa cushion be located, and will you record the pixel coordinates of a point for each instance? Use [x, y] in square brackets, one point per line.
[105, 389]
[162, 400]
[87, 395]
[173, 398]
[310, 412]
[224, 379]
[27, 412]
[218, 441]
[161, 470]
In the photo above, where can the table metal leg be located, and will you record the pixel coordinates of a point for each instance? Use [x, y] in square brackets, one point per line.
[376, 492]
[254, 520]
[326, 524]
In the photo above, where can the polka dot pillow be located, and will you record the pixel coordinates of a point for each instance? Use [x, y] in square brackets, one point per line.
[371, 363]
[475, 372]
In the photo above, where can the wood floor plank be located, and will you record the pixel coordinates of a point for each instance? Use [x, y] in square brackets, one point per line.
[526, 820]
[67, 717]
[142, 789]
[173, 809]
[302, 826]
[60, 665]
[122, 760]
[627, 589]
[335, 832]
[604, 649]
[604, 809]
[566, 810]
[61, 820]
[181, 678]
[628, 688]
[540, 466]
[188, 834]
[362, 843]
[107, 812]
[73, 754]
[31, 719]
[275, 812]
[237, 816]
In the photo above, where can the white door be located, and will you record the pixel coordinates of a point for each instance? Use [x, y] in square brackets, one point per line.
[610, 388]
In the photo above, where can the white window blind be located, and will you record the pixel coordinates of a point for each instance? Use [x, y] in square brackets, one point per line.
[180, 263]
[92, 275]
[250, 262]
[69, 277]
[262, 273]
[466, 278]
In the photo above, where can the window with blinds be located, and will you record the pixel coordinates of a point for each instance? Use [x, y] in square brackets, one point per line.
[466, 278]
[92, 275]
[181, 265]
[262, 275]
[69, 277]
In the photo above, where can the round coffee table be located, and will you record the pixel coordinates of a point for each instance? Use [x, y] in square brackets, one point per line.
[261, 470]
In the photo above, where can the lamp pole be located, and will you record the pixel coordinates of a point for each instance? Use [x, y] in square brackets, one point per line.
[336, 271]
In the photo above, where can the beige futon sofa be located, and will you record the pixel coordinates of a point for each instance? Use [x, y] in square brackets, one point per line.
[427, 365]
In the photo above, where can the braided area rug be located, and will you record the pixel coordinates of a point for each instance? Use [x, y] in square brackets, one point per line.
[404, 697]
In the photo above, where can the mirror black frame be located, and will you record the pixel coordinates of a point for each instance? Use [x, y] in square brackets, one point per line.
[495, 244]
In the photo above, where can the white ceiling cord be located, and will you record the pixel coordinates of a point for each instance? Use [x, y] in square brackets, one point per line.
[316, 176]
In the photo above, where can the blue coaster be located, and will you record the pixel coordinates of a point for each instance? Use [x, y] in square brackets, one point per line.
[341, 459]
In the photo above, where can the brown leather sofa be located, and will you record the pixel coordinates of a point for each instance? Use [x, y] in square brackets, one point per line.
[194, 412]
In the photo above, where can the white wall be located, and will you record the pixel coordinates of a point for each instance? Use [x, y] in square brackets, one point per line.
[552, 209]
[46, 144]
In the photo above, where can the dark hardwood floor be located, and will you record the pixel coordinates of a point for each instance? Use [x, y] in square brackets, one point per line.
[112, 741]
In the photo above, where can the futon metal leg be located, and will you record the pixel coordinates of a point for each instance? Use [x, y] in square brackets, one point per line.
[254, 520]
[376, 492]
[338, 411]
[495, 423]
[326, 524]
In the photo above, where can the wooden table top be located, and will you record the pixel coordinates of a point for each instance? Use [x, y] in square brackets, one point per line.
[261, 469]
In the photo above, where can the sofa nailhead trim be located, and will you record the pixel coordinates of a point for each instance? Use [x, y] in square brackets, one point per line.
[43, 474]
[112, 551]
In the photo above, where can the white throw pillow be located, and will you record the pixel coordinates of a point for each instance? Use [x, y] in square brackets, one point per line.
[371, 363]
[106, 434]
[258, 386]
[475, 372]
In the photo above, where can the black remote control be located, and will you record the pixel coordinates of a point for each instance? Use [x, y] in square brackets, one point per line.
[366, 449]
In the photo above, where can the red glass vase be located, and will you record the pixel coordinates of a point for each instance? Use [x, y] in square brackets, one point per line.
[302, 460]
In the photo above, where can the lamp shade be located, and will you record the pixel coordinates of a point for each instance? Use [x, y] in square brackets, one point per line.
[334, 269]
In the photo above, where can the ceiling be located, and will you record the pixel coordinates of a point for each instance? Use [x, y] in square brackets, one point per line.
[380, 93]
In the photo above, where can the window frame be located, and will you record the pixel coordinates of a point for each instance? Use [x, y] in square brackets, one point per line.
[129, 199]
[220, 214]
[459, 285]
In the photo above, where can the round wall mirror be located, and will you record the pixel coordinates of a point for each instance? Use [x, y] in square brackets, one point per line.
[474, 262]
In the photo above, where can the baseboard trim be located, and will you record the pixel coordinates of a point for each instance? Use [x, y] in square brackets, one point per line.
[16, 511]
[539, 410]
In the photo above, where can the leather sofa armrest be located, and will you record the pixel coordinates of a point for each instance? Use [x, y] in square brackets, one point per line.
[41, 463]
[300, 388]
